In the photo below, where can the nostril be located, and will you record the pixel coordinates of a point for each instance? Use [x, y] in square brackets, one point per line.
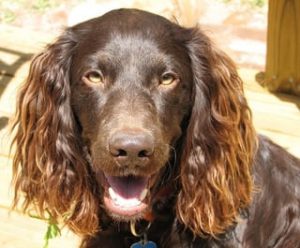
[118, 152]
[144, 154]
[121, 153]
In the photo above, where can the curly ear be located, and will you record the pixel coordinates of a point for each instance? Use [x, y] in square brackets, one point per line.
[49, 166]
[216, 181]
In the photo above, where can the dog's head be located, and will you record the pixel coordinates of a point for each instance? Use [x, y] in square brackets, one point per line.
[124, 104]
[131, 85]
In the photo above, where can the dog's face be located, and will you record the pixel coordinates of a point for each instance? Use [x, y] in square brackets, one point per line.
[123, 106]
[131, 88]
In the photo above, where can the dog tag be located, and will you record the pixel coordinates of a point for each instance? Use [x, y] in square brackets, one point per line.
[141, 244]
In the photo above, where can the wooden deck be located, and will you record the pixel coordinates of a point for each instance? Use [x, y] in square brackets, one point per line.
[277, 116]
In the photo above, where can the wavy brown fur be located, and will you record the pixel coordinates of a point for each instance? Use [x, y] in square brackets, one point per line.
[219, 148]
[48, 164]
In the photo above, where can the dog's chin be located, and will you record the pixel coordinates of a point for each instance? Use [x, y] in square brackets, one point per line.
[124, 214]
[126, 197]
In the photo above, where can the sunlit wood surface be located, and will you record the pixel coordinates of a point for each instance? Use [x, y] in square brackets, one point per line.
[277, 116]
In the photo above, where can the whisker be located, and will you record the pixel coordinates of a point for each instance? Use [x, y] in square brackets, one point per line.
[168, 173]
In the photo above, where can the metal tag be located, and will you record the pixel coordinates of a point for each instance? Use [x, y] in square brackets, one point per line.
[146, 244]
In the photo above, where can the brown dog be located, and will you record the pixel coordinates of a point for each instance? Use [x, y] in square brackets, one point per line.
[130, 118]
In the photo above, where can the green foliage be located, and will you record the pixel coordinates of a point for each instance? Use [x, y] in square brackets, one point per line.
[53, 230]
[252, 3]
[8, 16]
[42, 5]
[256, 3]
[10, 9]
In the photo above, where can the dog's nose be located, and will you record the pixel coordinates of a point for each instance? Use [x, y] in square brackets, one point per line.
[131, 148]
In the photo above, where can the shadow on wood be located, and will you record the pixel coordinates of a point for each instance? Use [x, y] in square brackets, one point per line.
[8, 70]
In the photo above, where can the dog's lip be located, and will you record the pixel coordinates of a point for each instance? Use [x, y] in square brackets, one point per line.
[124, 211]
[126, 196]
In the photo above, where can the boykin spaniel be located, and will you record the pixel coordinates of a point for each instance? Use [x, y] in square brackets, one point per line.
[135, 132]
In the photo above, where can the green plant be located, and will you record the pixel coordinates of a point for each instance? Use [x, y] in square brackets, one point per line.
[252, 3]
[255, 3]
[42, 5]
[7, 16]
[53, 230]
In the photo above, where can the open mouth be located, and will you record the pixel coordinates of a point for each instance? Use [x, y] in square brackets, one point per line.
[126, 196]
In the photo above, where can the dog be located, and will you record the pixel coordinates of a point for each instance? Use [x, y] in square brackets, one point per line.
[136, 132]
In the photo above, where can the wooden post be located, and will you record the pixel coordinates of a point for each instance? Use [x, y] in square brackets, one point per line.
[283, 47]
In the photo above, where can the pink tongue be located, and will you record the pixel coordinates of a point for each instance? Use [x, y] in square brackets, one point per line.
[128, 187]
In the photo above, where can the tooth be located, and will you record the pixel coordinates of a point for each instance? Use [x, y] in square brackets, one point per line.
[112, 193]
[143, 194]
[119, 201]
[133, 202]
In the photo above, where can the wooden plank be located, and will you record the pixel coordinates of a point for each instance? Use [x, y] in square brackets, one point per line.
[248, 76]
[19, 231]
[9, 89]
[5, 139]
[14, 53]
[12, 60]
[280, 100]
[5, 180]
[290, 143]
[24, 41]
[277, 117]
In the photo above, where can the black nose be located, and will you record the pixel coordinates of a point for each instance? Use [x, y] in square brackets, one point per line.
[131, 148]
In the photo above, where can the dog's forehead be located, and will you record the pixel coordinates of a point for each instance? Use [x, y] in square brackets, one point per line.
[126, 47]
[131, 41]
[131, 20]
[122, 29]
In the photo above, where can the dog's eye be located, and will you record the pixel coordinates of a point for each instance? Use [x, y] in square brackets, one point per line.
[168, 79]
[94, 77]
